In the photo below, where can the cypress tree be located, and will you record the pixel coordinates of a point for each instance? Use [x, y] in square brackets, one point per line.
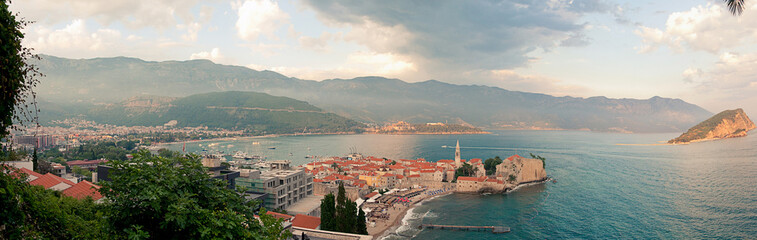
[342, 219]
[361, 228]
[35, 161]
[328, 213]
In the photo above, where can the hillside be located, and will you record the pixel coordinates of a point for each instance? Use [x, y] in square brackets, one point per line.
[367, 99]
[256, 113]
[726, 124]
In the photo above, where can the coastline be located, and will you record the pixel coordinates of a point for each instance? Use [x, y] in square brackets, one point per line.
[400, 220]
[402, 215]
[308, 134]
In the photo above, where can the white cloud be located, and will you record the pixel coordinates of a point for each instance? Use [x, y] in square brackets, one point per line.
[730, 83]
[357, 64]
[709, 28]
[382, 63]
[213, 55]
[512, 80]
[319, 44]
[72, 39]
[258, 17]
[160, 14]
[192, 29]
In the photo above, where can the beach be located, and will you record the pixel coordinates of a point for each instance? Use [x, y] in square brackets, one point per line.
[396, 212]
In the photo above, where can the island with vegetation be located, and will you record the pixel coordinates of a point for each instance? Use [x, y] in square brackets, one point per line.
[402, 127]
[726, 124]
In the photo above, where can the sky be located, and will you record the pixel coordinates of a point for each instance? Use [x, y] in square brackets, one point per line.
[694, 50]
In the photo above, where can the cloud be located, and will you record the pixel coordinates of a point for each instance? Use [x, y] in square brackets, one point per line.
[512, 80]
[258, 17]
[72, 39]
[357, 64]
[213, 55]
[461, 34]
[709, 28]
[160, 14]
[730, 83]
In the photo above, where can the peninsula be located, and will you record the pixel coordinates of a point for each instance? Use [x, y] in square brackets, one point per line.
[726, 124]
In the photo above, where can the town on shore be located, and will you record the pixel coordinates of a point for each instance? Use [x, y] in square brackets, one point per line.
[385, 189]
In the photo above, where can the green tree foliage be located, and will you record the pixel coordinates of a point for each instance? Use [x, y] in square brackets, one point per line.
[328, 213]
[35, 160]
[91, 151]
[491, 165]
[17, 77]
[81, 172]
[343, 222]
[174, 198]
[466, 171]
[361, 228]
[32, 212]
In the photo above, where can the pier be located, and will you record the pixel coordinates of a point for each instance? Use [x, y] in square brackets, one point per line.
[493, 229]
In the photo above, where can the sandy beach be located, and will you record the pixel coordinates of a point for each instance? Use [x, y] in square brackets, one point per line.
[397, 212]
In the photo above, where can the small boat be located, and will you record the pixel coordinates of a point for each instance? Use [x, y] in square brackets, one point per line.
[272, 148]
[255, 143]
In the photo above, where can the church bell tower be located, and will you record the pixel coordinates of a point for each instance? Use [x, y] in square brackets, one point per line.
[458, 162]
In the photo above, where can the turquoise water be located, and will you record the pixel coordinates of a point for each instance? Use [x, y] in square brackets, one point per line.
[603, 190]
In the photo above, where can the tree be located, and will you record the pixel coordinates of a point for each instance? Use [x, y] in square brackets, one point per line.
[35, 160]
[328, 213]
[174, 198]
[32, 212]
[491, 165]
[81, 172]
[361, 228]
[466, 171]
[17, 76]
[735, 6]
[344, 222]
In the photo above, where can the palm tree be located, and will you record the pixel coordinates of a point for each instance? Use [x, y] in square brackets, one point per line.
[735, 6]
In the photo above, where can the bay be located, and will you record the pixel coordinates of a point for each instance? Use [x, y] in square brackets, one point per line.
[603, 190]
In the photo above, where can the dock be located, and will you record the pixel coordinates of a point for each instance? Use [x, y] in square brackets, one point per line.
[493, 229]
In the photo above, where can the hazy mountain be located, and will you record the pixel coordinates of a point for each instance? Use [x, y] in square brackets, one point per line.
[256, 113]
[368, 99]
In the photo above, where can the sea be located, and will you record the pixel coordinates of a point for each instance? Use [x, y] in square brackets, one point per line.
[606, 185]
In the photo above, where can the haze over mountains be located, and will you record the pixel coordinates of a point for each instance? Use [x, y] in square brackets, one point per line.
[366, 99]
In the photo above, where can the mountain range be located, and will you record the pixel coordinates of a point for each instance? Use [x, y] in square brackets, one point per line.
[366, 99]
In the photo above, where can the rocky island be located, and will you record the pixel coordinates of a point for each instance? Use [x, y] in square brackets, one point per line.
[726, 124]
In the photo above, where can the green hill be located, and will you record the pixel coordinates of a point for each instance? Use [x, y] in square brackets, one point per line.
[255, 113]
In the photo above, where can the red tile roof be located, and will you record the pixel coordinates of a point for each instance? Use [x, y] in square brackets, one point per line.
[474, 179]
[30, 172]
[83, 189]
[370, 195]
[513, 157]
[445, 161]
[305, 221]
[280, 215]
[461, 178]
[49, 180]
[85, 162]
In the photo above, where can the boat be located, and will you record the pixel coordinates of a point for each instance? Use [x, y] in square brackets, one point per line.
[255, 143]
[272, 148]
